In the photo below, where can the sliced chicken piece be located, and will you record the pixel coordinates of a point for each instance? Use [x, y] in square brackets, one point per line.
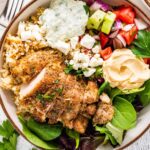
[88, 110]
[30, 65]
[42, 82]
[80, 124]
[91, 93]
[31, 106]
[91, 109]
[104, 113]
[29, 89]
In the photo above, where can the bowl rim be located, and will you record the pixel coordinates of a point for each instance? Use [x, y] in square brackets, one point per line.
[1, 101]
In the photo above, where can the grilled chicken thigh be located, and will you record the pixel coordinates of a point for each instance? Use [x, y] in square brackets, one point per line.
[54, 96]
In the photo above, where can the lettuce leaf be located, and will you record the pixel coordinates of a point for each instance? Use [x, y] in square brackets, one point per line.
[74, 135]
[145, 94]
[117, 133]
[108, 135]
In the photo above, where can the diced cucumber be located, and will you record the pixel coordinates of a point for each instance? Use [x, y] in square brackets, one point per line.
[96, 19]
[109, 20]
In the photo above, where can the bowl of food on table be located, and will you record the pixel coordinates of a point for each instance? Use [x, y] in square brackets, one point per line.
[76, 74]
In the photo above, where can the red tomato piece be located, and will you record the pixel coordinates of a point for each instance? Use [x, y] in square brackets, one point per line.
[130, 35]
[125, 14]
[106, 53]
[103, 39]
[147, 61]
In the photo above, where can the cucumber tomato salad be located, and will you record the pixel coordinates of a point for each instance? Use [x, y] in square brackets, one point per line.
[80, 73]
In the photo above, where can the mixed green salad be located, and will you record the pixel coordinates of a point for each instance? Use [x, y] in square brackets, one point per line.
[113, 28]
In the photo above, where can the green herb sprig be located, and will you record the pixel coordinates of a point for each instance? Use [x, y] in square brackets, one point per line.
[9, 135]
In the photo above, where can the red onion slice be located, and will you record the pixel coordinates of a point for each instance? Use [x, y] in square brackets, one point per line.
[128, 27]
[118, 25]
[114, 34]
[122, 40]
[141, 25]
[98, 4]
[117, 44]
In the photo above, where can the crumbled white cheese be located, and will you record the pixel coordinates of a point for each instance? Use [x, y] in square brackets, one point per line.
[26, 35]
[80, 61]
[89, 72]
[87, 41]
[21, 28]
[63, 20]
[74, 41]
[28, 31]
[96, 49]
[96, 61]
[63, 47]
[105, 98]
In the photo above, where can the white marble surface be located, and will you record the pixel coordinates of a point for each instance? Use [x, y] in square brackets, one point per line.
[141, 144]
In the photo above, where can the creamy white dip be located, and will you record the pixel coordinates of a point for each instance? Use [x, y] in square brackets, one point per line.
[125, 71]
[63, 20]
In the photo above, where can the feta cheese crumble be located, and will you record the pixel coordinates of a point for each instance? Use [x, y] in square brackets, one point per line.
[96, 61]
[28, 31]
[87, 41]
[89, 72]
[96, 49]
[80, 61]
[73, 42]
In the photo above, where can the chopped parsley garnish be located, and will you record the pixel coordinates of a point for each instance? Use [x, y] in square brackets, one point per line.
[86, 8]
[56, 81]
[99, 72]
[59, 90]
[68, 69]
[45, 97]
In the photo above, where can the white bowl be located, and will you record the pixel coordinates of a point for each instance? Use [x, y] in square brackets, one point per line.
[8, 106]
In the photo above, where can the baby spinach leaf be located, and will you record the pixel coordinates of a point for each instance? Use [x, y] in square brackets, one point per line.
[74, 135]
[141, 46]
[108, 135]
[125, 114]
[36, 140]
[115, 92]
[103, 87]
[44, 131]
[129, 97]
[117, 133]
[145, 95]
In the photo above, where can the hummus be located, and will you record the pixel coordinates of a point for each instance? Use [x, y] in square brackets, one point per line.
[125, 71]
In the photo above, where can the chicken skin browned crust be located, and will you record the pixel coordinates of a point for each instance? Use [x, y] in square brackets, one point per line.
[30, 65]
